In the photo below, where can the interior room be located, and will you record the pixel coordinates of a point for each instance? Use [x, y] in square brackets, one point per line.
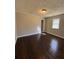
[39, 29]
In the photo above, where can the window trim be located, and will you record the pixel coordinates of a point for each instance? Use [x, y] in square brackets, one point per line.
[53, 26]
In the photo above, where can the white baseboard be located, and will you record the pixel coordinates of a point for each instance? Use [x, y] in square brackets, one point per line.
[55, 35]
[27, 35]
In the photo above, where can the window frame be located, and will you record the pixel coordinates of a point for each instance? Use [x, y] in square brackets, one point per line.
[53, 23]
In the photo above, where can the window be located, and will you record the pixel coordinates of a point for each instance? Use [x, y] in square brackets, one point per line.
[55, 23]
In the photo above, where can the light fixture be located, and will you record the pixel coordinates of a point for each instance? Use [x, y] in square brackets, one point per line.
[44, 10]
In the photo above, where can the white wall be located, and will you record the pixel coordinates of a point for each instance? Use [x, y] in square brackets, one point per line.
[27, 24]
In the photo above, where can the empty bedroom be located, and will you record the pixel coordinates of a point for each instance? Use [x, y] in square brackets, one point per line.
[39, 29]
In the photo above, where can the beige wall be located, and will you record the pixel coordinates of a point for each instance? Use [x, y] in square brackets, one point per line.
[48, 26]
[27, 24]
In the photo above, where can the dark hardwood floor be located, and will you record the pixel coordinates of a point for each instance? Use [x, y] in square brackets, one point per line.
[39, 46]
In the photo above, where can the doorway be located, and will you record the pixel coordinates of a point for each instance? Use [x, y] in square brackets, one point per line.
[42, 21]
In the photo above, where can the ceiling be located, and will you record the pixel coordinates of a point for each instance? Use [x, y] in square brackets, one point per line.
[54, 7]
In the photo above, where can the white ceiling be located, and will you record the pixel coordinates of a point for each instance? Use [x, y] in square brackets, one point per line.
[53, 7]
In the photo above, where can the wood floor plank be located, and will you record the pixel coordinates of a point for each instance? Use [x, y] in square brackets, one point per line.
[39, 46]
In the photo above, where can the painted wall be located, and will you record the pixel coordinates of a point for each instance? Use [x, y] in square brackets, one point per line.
[27, 24]
[48, 26]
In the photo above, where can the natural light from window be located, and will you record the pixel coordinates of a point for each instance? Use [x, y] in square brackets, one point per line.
[55, 23]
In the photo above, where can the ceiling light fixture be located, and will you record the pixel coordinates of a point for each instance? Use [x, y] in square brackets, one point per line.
[44, 10]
